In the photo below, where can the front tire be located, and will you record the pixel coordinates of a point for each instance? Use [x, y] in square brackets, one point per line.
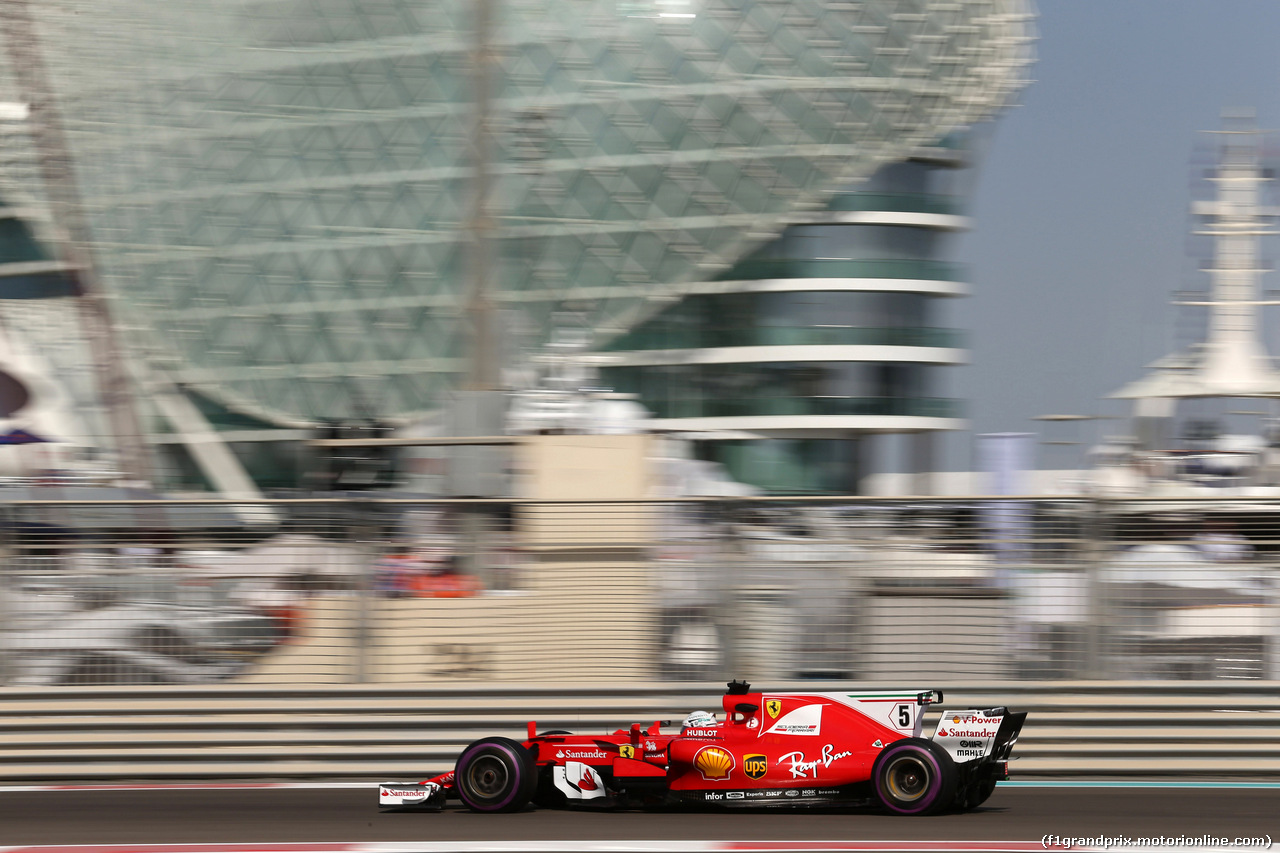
[495, 774]
[914, 776]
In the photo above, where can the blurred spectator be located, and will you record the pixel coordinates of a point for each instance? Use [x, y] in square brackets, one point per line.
[391, 574]
[423, 576]
[444, 580]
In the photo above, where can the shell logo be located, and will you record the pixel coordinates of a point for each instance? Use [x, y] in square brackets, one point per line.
[714, 763]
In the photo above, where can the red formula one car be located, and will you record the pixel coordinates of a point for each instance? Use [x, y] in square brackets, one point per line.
[812, 749]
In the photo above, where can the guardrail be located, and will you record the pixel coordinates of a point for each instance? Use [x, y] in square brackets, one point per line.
[99, 734]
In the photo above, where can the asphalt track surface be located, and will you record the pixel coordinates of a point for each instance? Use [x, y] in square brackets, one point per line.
[280, 815]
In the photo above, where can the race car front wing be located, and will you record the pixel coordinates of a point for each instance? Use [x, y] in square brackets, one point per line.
[411, 796]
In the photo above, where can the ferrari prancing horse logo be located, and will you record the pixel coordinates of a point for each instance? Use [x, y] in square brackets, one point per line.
[774, 707]
[626, 750]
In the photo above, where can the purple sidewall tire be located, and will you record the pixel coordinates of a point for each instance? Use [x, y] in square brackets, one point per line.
[927, 801]
[516, 767]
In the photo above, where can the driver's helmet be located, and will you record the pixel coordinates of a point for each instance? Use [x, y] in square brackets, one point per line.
[699, 720]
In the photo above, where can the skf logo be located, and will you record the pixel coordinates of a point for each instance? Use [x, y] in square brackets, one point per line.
[774, 707]
[713, 762]
[755, 766]
[627, 751]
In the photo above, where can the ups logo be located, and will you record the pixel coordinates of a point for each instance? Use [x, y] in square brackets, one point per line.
[773, 706]
[755, 765]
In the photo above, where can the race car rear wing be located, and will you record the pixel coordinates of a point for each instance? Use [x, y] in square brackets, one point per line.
[1007, 736]
[986, 735]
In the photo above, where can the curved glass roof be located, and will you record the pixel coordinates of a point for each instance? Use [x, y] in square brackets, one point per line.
[279, 191]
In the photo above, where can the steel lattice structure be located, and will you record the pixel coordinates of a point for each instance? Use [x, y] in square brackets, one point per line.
[278, 190]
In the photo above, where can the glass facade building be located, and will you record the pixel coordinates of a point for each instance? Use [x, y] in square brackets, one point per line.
[790, 362]
[291, 202]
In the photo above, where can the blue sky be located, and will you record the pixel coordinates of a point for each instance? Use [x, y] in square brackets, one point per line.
[1080, 209]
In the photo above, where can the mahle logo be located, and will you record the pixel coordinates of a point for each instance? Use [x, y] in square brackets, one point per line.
[774, 707]
[755, 766]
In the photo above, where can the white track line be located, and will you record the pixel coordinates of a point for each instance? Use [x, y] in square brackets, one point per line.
[548, 846]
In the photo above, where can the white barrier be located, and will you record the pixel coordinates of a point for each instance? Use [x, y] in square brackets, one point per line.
[357, 732]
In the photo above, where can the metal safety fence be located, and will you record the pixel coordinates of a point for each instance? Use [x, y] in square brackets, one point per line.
[381, 590]
[371, 732]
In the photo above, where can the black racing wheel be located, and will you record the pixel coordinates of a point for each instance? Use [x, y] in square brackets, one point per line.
[914, 776]
[495, 774]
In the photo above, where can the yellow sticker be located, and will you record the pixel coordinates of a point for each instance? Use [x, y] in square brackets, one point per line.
[774, 707]
[627, 751]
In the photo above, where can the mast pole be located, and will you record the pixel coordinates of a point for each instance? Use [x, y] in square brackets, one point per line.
[66, 208]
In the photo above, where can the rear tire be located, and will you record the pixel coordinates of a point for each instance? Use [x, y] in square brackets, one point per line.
[914, 776]
[495, 774]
